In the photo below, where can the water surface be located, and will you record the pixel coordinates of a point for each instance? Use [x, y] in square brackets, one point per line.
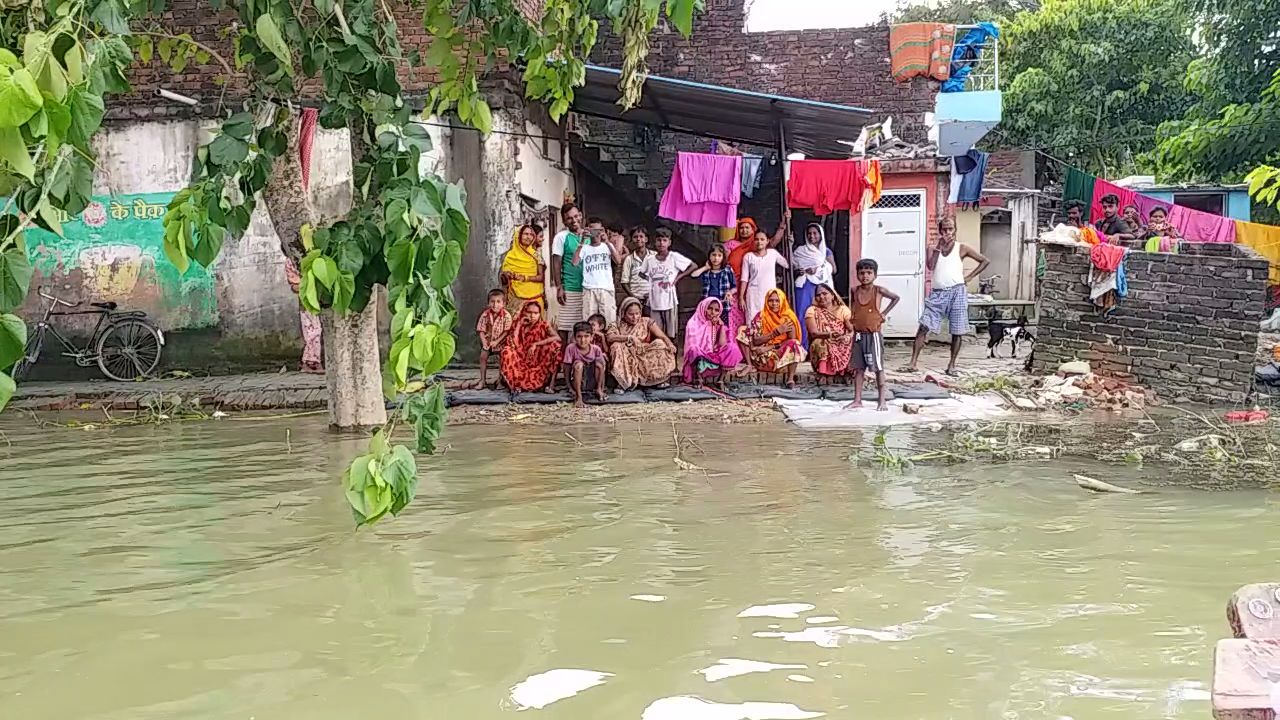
[210, 571]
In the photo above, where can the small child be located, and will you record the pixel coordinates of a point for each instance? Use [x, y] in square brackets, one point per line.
[665, 268]
[598, 337]
[718, 280]
[866, 320]
[584, 364]
[493, 327]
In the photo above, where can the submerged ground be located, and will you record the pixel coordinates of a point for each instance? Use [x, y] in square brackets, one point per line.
[209, 570]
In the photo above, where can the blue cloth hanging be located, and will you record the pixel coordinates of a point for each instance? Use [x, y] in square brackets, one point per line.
[966, 53]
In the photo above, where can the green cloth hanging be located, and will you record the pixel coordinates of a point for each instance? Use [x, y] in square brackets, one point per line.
[1079, 186]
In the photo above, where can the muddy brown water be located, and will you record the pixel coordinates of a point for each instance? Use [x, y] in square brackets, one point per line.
[210, 571]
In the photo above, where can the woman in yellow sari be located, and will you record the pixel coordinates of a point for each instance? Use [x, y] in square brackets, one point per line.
[523, 272]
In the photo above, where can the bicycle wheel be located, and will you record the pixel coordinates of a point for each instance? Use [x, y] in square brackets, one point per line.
[128, 350]
[30, 353]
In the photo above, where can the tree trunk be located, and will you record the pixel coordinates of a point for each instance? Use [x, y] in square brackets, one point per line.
[352, 370]
[351, 356]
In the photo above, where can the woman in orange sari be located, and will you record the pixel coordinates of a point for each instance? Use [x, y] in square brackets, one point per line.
[532, 354]
[772, 341]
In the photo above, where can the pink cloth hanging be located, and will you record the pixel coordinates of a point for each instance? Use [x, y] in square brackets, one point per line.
[704, 190]
[1101, 189]
[1199, 226]
[1146, 204]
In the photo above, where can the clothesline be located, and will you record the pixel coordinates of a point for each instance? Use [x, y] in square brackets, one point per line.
[1194, 225]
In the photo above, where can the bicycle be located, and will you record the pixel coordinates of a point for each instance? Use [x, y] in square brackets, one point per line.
[124, 345]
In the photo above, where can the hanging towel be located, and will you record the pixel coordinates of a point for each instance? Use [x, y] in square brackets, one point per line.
[1265, 240]
[921, 50]
[968, 172]
[1107, 257]
[1198, 226]
[751, 174]
[826, 185]
[1146, 204]
[1101, 189]
[966, 54]
[1078, 185]
[704, 190]
[875, 184]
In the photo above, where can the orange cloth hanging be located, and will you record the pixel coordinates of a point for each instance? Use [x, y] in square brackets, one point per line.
[874, 184]
[921, 50]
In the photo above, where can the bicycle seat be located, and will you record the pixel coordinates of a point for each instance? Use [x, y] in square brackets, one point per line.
[105, 305]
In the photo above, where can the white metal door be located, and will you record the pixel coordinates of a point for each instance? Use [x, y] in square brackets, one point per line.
[893, 234]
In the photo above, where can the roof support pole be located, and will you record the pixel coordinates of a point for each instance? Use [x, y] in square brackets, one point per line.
[790, 285]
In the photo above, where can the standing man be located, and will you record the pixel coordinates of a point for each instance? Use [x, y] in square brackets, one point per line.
[634, 280]
[948, 296]
[565, 276]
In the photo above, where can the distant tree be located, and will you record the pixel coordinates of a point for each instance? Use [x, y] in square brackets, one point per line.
[1093, 79]
[962, 12]
[1233, 126]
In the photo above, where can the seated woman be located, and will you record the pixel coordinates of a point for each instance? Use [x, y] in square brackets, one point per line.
[1160, 235]
[532, 353]
[640, 353]
[1134, 219]
[830, 338]
[709, 352]
[772, 341]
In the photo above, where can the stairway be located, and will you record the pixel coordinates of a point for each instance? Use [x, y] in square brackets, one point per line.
[601, 163]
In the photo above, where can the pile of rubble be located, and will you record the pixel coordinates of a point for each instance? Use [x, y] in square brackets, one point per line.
[1075, 384]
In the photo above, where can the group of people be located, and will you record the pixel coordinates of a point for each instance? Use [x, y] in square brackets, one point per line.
[1124, 226]
[744, 321]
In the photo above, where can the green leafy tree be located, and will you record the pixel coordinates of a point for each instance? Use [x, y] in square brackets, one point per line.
[964, 12]
[1234, 124]
[1093, 79]
[405, 230]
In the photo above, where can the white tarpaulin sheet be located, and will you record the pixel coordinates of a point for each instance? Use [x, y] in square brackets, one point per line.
[832, 414]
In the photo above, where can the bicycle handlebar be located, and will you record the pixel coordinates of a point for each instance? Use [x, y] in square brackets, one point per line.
[53, 299]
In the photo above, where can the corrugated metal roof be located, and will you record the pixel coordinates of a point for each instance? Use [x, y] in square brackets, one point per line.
[724, 113]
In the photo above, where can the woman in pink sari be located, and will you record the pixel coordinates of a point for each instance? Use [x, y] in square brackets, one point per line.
[312, 354]
[710, 352]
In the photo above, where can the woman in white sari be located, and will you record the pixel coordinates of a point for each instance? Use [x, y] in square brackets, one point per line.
[814, 267]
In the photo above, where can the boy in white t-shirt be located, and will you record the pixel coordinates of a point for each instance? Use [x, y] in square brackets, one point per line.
[664, 269]
[596, 257]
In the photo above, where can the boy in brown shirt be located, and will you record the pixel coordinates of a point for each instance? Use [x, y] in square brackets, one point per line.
[866, 318]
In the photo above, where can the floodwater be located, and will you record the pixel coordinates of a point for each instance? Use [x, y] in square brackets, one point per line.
[210, 571]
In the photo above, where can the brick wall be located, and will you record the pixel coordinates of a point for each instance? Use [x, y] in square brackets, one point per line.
[1188, 329]
[849, 66]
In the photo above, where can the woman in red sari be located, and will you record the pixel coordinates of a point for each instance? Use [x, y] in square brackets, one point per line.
[532, 354]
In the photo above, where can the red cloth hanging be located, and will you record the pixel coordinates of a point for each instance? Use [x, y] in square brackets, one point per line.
[306, 136]
[826, 185]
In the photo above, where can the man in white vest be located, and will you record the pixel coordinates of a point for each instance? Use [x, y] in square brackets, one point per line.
[948, 296]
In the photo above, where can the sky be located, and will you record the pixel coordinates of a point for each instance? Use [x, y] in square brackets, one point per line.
[767, 15]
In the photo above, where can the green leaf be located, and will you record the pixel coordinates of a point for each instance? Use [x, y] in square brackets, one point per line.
[13, 152]
[110, 14]
[445, 269]
[324, 270]
[269, 36]
[175, 242]
[146, 48]
[7, 389]
[20, 97]
[238, 126]
[86, 115]
[343, 291]
[680, 13]
[49, 216]
[59, 119]
[226, 150]
[443, 347]
[15, 278]
[13, 339]
[206, 251]
[455, 197]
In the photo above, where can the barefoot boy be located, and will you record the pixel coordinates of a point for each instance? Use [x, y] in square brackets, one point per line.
[866, 320]
[492, 327]
[584, 364]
